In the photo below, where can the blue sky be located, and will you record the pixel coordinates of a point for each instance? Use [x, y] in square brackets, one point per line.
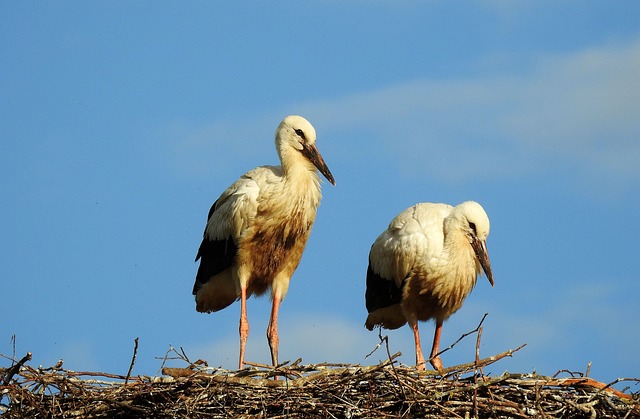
[123, 121]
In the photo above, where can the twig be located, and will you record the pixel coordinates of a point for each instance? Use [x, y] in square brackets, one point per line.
[460, 338]
[166, 356]
[478, 347]
[13, 345]
[186, 358]
[94, 374]
[133, 361]
[481, 363]
[616, 381]
[386, 338]
[15, 368]
[580, 382]
[475, 373]
[393, 367]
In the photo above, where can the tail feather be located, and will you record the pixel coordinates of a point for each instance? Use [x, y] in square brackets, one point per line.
[388, 317]
[215, 294]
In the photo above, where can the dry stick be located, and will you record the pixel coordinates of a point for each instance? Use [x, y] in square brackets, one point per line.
[379, 343]
[186, 358]
[133, 361]
[616, 381]
[478, 349]
[166, 356]
[15, 368]
[475, 373]
[482, 363]
[94, 374]
[460, 338]
[385, 339]
[13, 345]
[393, 367]
[577, 382]
[282, 369]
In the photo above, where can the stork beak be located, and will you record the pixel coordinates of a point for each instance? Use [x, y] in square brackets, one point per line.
[480, 248]
[312, 153]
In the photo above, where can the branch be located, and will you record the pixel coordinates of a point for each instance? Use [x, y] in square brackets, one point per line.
[460, 338]
[475, 364]
[393, 367]
[15, 368]
[133, 361]
[382, 340]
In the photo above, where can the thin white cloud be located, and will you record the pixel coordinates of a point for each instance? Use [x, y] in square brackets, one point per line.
[579, 111]
[585, 105]
[582, 108]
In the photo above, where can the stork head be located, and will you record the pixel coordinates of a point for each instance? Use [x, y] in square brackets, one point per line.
[474, 222]
[296, 132]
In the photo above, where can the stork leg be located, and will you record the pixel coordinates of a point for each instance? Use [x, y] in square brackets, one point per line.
[272, 330]
[434, 359]
[420, 364]
[244, 325]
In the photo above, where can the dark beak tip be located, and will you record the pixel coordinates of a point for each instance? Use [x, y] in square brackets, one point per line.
[328, 175]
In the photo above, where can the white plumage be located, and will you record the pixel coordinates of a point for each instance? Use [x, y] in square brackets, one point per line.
[424, 266]
[257, 230]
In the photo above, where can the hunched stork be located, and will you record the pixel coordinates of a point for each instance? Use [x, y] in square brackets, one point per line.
[258, 228]
[424, 266]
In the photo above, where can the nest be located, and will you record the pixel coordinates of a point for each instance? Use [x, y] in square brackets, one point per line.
[296, 390]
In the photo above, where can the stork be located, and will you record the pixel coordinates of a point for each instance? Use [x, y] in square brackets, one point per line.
[257, 230]
[424, 265]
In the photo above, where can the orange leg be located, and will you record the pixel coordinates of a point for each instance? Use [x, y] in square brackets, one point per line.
[420, 364]
[244, 325]
[434, 359]
[272, 331]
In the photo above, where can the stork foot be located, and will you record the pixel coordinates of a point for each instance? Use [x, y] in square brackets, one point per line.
[437, 363]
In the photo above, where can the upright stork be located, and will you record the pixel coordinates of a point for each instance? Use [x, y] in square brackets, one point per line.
[258, 228]
[424, 266]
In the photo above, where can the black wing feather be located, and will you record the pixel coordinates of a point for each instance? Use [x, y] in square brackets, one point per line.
[215, 256]
[380, 292]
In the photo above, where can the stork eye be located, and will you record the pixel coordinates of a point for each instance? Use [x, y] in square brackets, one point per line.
[473, 227]
[301, 134]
